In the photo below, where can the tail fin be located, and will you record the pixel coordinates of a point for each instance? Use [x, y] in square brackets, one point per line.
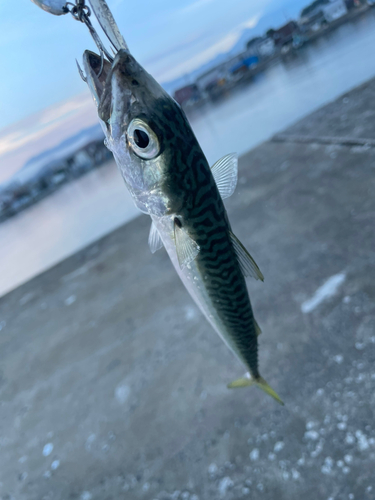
[258, 382]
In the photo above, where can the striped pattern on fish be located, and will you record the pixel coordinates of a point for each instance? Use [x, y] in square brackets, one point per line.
[169, 178]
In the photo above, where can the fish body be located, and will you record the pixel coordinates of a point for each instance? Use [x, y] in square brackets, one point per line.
[216, 283]
[168, 176]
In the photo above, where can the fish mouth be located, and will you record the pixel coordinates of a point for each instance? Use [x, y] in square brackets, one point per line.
[97, 70]
[109, 82]
[121, 89]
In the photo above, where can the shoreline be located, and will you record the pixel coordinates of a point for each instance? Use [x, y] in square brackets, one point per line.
[113, 385]
[16, 196]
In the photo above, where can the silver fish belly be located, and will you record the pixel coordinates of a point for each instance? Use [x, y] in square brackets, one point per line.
[190, 276]
[169, 178]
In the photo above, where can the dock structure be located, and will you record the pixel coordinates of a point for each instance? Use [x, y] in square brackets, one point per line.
[113, 385]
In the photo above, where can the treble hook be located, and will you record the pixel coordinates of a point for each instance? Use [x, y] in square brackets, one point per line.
[101, 63]
[97, 40]
[82, 12]
[81, 73]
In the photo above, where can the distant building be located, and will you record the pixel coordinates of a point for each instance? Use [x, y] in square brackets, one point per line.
[313, 21]
[6, 198]
[186, 94]
[284, 35]
[351, 4]
[244, 65]
[253, 44]
[334, 10]
[266, 47]
[212, 78]
[44, 175]
[314, 15]
[312, 9]
[261, 46]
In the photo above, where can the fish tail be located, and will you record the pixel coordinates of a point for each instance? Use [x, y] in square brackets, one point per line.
[258, 382]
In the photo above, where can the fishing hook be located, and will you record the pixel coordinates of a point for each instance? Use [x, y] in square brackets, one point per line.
[101, 63]
[81, 73]
[82, 13]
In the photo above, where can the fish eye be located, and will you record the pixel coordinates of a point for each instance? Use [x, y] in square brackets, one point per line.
[142, 139]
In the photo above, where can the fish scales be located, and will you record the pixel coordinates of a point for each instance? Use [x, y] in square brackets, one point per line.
[169, 178]
[217, 265]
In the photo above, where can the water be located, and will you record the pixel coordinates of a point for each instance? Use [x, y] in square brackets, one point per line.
[97, 203]
[59, 225]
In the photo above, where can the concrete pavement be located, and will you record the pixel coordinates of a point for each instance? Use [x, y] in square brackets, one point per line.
[113, 385]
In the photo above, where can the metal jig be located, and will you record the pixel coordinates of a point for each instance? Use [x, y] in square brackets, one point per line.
[82, 12]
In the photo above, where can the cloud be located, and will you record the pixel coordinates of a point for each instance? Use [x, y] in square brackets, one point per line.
[7, 142]
[16, 140]
[186, 44]
[193, 7]
[43, 130]
[64, 109]
[224, 44]
[252, 22]
[31, 130]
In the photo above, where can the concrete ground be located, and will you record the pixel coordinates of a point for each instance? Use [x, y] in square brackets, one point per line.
[113, 385]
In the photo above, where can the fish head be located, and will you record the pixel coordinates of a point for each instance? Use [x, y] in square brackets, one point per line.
[133, 110]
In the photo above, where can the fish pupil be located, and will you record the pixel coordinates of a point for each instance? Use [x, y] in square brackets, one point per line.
[141, 138]
[177, 222]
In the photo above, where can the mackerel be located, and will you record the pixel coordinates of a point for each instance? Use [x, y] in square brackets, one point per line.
[169, 178]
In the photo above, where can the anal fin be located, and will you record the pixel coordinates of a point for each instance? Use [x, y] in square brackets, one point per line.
[154, 240]
[187, 249]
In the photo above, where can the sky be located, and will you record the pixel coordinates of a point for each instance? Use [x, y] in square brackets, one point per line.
[43, 100]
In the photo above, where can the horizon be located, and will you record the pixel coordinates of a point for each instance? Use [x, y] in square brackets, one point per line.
[58, 111]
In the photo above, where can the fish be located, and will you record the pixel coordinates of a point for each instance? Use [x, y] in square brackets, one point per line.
[169, 178]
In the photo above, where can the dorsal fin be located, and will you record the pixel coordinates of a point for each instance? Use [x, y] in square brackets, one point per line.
[225, 172]
[245, 260]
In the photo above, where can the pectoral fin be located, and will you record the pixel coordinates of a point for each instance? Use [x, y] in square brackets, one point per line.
[187, 249]
[225, 172]
[259, 382]
[247, 263]
[154, 240]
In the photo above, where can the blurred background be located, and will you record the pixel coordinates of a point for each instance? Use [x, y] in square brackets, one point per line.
[241, 74]
[288, 86]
